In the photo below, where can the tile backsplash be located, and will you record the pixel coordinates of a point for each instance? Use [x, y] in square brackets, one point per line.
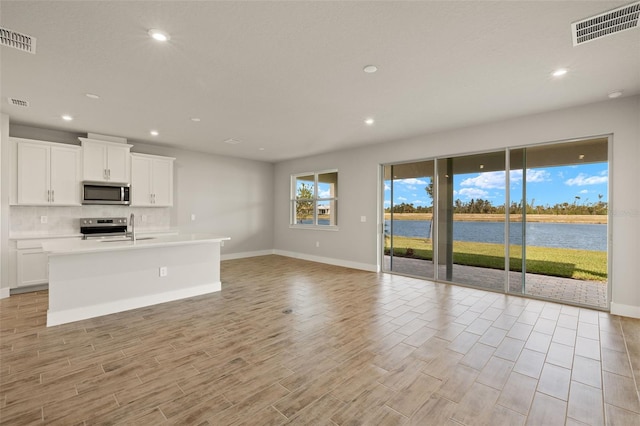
[27, 220]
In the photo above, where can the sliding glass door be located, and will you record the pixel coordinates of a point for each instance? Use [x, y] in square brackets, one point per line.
[471, 215]
[455, 212]
[559, 211]
[408, 218]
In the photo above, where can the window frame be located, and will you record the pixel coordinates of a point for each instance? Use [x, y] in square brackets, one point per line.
[315, 201]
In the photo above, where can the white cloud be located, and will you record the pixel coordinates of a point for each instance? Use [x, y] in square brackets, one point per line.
[387, 187]
[412, 181]
[401, 199]
[411, 188]
[486, 180]
[324, 194]
[496, 180]
[387, 202]
[532, 176]
[473, 193]
[582, 180]
[537, 175]
[419, 202]
[584, 191]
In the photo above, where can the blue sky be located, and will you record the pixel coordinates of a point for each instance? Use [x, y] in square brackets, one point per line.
[547, 185]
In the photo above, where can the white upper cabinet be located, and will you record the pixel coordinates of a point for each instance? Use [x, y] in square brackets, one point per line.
[65, 175]
[151, 180]
[48, 173]
[140, 180]
[105, 161]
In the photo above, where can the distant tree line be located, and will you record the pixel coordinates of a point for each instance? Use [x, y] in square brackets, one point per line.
[577, 207]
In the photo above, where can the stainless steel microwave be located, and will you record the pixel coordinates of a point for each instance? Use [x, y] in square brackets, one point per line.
[106, 193]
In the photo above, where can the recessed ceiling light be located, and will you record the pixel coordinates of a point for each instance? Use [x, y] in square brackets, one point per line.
[370, 69]
[560, 72]
[369, 121]
[581, 157]
[482, 166]
[195, 119]
[154, 133]
[261, 149]
[92, 96]
[615, 94]
[159, 35]
[67, 117]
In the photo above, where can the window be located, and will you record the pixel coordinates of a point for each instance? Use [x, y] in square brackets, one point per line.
[314, 199]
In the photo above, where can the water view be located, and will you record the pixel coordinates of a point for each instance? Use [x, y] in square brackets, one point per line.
[559, 235]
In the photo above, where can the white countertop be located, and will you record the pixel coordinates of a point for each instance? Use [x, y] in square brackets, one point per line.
[21, 237]
[64, 247]
[30, 236]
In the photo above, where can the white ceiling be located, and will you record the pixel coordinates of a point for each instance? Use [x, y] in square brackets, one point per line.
[287, 76]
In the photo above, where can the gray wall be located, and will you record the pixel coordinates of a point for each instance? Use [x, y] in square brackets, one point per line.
[356, 243]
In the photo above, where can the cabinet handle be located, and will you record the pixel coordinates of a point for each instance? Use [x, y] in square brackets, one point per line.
[53, 195]
[154, 198]
[150, 198]
[48, 196]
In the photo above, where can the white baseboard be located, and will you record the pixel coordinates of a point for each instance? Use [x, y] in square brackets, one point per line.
[625, 310]
[77, 314]
[5, 292]
[329, 261]
[242, 255]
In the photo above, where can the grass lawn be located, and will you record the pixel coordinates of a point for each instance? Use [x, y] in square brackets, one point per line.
[557, 262]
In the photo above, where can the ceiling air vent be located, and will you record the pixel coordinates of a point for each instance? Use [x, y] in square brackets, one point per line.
[18, 102]
[17, 40]
[604, 24]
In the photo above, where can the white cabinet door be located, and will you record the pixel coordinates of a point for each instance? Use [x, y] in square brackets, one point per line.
[151, 180]
[48, 174]
[105, 161]
[32, 267]
[33, 173]
[65, 179]
[162, 185]
[118, 163]
[140, 180]
[94, 161]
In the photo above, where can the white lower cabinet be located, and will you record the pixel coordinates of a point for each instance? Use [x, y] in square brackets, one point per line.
[32, 267]
[32, 263]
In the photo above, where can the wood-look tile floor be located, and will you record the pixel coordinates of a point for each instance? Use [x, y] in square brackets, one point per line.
[357, 348]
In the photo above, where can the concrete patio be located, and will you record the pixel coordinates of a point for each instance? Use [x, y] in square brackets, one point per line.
[590, 293]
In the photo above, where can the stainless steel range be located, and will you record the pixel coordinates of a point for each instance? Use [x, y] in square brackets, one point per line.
[103, 227]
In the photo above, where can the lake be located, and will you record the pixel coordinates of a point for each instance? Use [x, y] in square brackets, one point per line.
[560, 235]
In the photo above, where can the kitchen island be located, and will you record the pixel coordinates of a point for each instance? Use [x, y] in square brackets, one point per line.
[90, 278]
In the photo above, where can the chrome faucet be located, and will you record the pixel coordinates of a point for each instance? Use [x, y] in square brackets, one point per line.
[132, 221]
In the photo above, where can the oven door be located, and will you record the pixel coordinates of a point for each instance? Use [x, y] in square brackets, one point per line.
[100, 193]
